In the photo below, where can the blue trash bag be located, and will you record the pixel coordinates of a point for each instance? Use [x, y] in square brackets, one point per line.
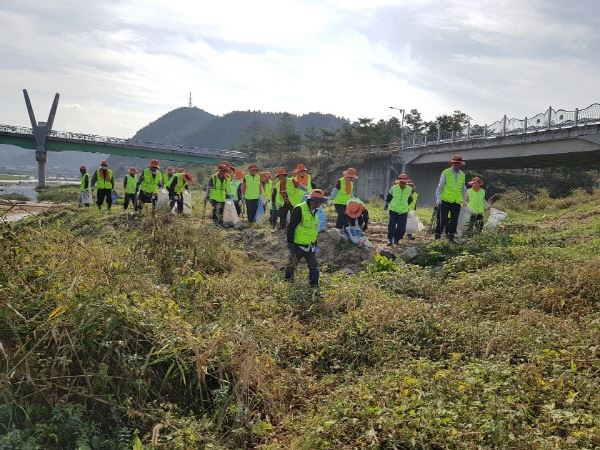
[260, 210]
[114, 196]
[322, 226]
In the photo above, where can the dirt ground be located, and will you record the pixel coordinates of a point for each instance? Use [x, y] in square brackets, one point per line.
[335, 255]
[11, 211]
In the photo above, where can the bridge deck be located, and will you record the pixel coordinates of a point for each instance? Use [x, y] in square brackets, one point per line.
[63, 141]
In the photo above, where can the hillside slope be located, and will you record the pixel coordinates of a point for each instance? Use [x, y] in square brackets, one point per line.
[118, 331]
[174, 126]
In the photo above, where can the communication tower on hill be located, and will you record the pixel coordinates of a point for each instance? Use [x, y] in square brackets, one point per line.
[190, 101]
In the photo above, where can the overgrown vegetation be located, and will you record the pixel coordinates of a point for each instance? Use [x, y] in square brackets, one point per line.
[123, 333]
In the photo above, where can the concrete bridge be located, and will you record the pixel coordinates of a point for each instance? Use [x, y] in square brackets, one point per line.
[42, 138]
[555, 138]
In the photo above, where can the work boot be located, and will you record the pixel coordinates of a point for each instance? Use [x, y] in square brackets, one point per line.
[437, 237]
[313, 277]
[289, 275]
[451, 238]
[390, 243]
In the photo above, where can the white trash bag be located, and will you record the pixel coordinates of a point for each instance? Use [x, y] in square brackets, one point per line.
[356, 236]
[85, 198]
[230, 215]
[413, 224]
[463, 221]
[187, 202]
[495, 219]
[162, 198]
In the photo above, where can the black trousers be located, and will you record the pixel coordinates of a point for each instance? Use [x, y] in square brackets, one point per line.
[104, 194]
[145, 197]
[475, 224]
[129, 198]
[273, 216]
[342, 218]
[296, 255]
[447, 219]
[282, 213]
[396, 226]
[217, 211]
[176, 198]
[251, 207]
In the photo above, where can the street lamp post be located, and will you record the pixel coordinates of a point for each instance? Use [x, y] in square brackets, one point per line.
[401, 124]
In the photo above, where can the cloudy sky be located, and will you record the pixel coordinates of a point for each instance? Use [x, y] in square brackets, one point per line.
[120, 64]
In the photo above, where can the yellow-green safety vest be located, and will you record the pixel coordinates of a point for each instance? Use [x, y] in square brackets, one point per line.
[220, 189]
[101, 183]
[151, 181]
[476, 200]
[85, 177]
[453, 189]
[179, 183]
[399, 203]
[306, 231]
[413, 205]
[252, 186]
[268, 189]
[235, 184]
[341, 196]
[296, 195]
[130, 183]
[289, 185]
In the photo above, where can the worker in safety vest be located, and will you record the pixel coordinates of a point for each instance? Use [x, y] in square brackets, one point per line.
[148, 185]
[177, 184]
[357, 213]
[302, 184]
[449, 196]
[280, 198]
[252, 190]
[341, 193]
[302, 236]
[397, 200]
[217, 191]
[236, 189]
[103, 179]
[476, 204]
[167, 176]
[268, 190]
[85, 188]
[129, 185]
[412, 206]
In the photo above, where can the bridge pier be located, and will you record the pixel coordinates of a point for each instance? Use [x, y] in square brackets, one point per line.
[40, 133]
[426, 178]
[41, 157]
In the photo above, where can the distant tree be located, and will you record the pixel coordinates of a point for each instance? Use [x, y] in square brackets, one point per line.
[414, 121]
[347, 136]
[312, 140]
[288, 139]
[327, 141]
[364, 130]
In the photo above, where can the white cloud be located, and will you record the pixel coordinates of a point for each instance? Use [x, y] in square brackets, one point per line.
[137, 59]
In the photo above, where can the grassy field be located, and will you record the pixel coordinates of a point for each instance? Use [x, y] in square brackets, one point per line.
[119, 332]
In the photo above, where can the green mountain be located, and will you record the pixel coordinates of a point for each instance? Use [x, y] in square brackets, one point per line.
[193, 126]
[175, 126]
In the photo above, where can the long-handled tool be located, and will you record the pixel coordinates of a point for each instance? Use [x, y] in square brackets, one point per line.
[433, 221]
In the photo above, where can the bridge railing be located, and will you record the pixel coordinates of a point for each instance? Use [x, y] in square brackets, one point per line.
[550, 119]
[128, 142]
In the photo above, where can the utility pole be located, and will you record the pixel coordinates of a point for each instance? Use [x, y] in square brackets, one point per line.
[190, 101]
[401, 125]
[40, 133]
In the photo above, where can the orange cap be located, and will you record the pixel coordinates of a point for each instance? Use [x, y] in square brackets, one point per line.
[317, 194]
[132, 170]
[300, 168]
[104, 163]
[170, 169]
[239, 174]
[457, 159]
[476, 180]
[281, 171]
[354, 209]
[403, 176]
[351, 173]
[154, 164]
